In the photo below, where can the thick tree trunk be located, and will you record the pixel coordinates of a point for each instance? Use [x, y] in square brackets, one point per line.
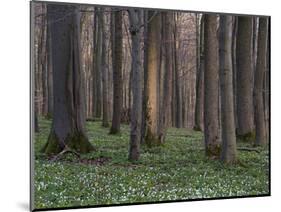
[117, 74]
[259, 79]
[211, 94]
[153, 49]
[228, 153]
[104, 72]
[135, 21]
[244, 83]
[199, 102]
[68, 126]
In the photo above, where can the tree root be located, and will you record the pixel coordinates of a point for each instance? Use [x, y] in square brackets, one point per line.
[65, 151]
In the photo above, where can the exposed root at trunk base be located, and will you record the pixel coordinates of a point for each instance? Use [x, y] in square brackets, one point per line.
[77, 142]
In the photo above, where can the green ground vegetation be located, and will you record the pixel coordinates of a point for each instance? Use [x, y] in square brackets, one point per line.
[177, 170]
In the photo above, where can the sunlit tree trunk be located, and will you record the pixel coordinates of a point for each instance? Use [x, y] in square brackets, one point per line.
[153, 49]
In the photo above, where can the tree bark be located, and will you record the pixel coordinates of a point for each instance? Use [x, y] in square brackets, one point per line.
[211, 94]
[104, 71]
[153, 50]
[50, 74]
[144, 92]
[244, 83]
[98, 65]
[68, 126]
[117, 74]
[229, 152]
[135, 21]
[177, 81]
[44, 66]
[199, 102]
[259, 79]
[167, 98]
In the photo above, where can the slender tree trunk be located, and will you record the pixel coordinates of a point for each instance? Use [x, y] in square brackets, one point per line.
[44, 68]
[211, 94]
[112, 56]
[117, 74]
[244, 49]
[50, 75]
[104, 71]
[94, 64]
[144, 92]
[199, 102]
[153, 50]
[98, 63]
[68, 126]
[259, 78]
[177, 77]
[135, 21]
[229, 152]
[234, 67]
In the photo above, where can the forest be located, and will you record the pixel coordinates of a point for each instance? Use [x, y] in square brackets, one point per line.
[133, 105]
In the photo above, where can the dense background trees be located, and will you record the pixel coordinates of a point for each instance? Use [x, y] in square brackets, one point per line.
[153, 70]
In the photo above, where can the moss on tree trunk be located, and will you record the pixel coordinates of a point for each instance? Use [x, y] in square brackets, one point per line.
[151, 139]
[76, 141]
[213, 150]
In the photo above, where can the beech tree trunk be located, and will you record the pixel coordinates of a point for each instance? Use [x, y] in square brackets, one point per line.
[104, 71]
[244, 83]
[98, 64]
[177, 81]
[117, 74]
[153, 51]
[144, 92]
[136, 111]
[199, 102]
[211, 89]
[261, 67]
[228, 153]
[50, 74]
[167, 98]
[68, 126]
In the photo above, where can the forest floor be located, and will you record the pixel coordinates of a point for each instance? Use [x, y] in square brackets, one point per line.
[176, 171]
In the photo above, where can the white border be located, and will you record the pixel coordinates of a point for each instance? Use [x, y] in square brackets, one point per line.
[14, 112]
